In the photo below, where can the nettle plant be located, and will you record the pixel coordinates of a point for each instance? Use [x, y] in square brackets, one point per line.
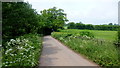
[18, 51]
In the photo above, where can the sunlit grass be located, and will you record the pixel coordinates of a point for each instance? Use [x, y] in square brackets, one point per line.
[99, 49]
[106, 35]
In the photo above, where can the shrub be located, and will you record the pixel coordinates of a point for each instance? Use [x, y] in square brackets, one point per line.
[22, 51]
[86, 33]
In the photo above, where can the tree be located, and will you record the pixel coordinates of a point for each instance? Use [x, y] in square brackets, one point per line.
[80, 25]
[71, 25]
[110, 24]
[52, 19]
[18, 19]
[89, 26]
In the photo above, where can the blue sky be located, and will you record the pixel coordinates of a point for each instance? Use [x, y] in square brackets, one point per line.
[86, 11]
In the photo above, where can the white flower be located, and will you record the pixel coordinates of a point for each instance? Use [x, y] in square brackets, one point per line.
[11, 54]
[20, 47]
[26, 44]
[12, 40]
[7, 51]
[26, 40]
[6, 62]
[6, 65]
[31, 47]
[32, 63]
[21, 53]
[8, 43]
[11, 62]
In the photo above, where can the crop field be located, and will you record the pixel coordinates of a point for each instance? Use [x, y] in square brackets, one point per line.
[95, 45]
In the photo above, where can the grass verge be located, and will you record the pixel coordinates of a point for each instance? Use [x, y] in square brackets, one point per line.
[103, 53]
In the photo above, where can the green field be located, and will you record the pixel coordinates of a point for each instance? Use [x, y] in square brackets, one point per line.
[99, 48]
[106, 35]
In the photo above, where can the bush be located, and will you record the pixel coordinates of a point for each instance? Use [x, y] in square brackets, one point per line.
[23, 51]
[18, 19]
[86, 33]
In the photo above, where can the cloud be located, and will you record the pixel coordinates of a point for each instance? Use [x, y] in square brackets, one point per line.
[87, 11]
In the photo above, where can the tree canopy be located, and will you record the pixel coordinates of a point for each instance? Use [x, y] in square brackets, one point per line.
[18, 18]
[52, 19]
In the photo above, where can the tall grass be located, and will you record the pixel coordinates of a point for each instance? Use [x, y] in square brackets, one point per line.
[102, 52]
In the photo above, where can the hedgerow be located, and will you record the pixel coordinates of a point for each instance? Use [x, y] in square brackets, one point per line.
[23, 51]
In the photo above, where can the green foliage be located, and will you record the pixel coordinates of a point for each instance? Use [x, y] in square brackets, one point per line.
[119, 34]
[82, 34]
[80, 25]
[52, 19]
[18, 19]
[71, 25]
[99, 34]
[117, 42]
[86, 33]
[100, 51]
[23, 51]
[110, 24]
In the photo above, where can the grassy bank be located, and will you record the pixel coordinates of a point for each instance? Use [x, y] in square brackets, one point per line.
[23, 51]
[102, 52]
[99, 34]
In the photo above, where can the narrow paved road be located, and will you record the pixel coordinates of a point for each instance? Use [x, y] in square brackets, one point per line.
[56, 54]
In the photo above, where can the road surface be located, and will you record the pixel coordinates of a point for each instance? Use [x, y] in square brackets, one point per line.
[56, 54]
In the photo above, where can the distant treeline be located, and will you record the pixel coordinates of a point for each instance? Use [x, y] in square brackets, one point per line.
[80, 25]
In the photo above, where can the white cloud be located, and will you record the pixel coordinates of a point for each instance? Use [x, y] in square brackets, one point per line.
[87, 11]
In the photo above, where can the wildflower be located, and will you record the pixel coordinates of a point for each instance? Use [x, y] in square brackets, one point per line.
[11, 54]
[6, 65]
[12, 40]
[8, 51]
[11, 62]
[8, 43]
[32, 47]
[18, 40]
[32, 63]
[6, 62]
[20, 47]
[21, 53]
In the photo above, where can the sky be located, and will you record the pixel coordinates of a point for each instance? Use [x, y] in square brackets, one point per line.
[86, 11]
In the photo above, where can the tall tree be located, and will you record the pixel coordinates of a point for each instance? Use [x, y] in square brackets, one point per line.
[18, 18]
[52, 19]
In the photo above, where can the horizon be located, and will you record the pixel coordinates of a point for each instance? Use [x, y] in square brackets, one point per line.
[94, 12]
